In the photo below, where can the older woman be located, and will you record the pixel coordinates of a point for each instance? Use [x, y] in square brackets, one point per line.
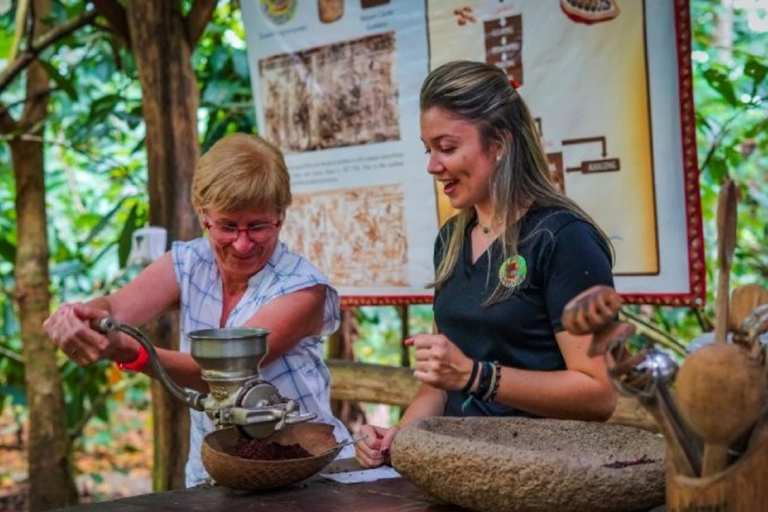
[241, 275]
[505, 267]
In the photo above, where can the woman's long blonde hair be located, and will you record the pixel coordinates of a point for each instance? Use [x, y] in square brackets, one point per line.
[483, 95]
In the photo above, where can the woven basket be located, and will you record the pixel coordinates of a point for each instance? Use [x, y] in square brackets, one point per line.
[248, 474]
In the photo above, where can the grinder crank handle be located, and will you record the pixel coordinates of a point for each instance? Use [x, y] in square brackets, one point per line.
[107, 325]
[291, 415]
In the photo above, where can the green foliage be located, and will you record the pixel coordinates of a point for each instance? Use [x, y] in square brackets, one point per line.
[95, 191]
[221, 66]
[730, 94]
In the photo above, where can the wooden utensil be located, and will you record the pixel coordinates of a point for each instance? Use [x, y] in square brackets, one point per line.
[720, 394]
[646, 376]
[726, 243]
[591, 310]
[615, 332]
[755, 325]
[744, 300]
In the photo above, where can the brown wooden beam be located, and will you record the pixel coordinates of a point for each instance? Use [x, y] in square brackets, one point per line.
[371, 383]
[396, 386]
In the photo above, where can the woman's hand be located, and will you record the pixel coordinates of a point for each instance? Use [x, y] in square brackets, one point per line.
[373, 451]
[440, 363]
[69, 328]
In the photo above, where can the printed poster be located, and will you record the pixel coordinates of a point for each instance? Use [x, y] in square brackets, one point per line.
[336, 87]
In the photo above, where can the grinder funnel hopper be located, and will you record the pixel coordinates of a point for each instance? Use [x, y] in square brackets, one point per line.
[232, 353]
[228, 359]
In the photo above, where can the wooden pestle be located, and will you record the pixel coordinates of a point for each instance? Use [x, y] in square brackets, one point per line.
[591, 310]
[715, 380]
[720, 393]
[726, 243]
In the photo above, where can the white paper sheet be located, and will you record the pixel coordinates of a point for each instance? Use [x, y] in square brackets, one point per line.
[363, 475]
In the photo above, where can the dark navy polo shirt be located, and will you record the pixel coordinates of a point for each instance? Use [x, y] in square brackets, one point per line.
[563, 254]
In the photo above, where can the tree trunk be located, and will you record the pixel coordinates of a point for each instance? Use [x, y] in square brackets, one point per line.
[50, 478]
[170, 101]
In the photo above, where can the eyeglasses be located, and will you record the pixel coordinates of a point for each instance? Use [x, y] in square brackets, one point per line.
[258, 233]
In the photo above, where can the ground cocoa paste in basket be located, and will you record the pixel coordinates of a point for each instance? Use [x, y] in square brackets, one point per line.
[256, 450]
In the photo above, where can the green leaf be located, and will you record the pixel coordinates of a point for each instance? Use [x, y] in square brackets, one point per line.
[124, 242]
[240, 64]
[103, 70]
[139, 146]
[7, 250]
[6, 42]
[217, 92]
[102, 107]
[755, 71]
[17, 394]
[719, 81]
[216, 130]
[62, 81]
[718, 169]
[67, 268]
[103, 222]
[102, 412]
[218, 59]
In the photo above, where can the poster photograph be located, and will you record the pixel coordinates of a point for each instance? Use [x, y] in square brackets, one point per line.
[336, 85]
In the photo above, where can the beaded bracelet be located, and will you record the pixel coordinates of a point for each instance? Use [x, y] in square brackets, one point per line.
[495, 386]
[491, 383]
[472, 376]
[485, 380]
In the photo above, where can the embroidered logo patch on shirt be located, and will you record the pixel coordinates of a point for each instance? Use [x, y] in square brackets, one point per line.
[513, 271]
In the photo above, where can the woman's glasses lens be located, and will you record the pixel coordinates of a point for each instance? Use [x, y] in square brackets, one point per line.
[258, 233]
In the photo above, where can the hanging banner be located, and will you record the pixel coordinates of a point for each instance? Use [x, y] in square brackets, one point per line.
[336, 87]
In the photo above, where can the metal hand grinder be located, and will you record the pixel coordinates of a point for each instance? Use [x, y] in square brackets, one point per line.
[229, 360]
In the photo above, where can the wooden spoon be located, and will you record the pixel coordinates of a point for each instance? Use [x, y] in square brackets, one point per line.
[615, 332]
[744, 300]
[726, 243]
[591, 310]
[720, 394]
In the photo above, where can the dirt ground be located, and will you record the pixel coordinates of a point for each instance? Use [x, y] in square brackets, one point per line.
[112, 461]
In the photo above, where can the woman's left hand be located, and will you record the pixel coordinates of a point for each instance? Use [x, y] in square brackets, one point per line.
[440, 363]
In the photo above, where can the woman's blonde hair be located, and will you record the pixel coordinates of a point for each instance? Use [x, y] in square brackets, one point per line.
[482, 95]
[241, 172]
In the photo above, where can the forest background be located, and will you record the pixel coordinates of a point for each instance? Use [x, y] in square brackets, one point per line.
[92, 129]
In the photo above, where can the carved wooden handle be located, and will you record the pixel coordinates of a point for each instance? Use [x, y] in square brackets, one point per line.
[591, 310]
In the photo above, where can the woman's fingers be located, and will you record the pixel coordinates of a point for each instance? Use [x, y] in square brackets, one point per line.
[69, 329]
[386, 443]
[368, 451]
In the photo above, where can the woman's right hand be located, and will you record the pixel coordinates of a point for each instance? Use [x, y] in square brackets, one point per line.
[373, 451]
[69, 329]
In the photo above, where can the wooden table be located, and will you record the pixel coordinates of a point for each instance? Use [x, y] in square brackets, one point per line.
[314, 495]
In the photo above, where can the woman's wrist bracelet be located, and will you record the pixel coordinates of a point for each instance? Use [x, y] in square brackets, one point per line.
[137, 364]
[495, 386]
[484, 382]
[468, 386]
